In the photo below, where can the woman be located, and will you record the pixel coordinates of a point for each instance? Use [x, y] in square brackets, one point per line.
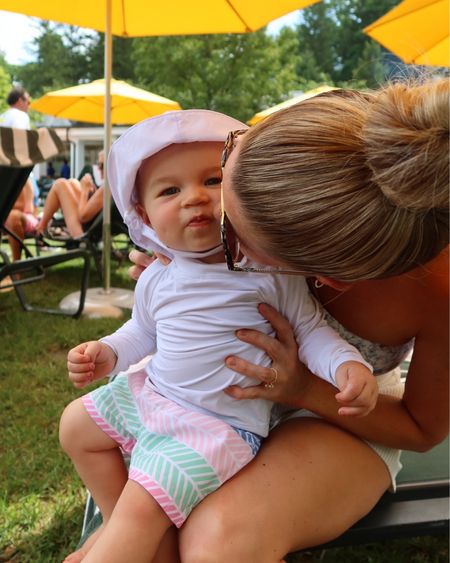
[352, 190]
[80, 201]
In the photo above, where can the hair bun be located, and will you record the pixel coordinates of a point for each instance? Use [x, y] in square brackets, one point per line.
[407, 140]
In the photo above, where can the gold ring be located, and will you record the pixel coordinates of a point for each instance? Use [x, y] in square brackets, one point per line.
[271, 384]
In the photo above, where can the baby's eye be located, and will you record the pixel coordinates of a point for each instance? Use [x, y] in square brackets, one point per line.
[213, 181]
[169, 191]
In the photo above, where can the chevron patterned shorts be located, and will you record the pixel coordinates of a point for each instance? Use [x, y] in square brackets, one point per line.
[179, 456]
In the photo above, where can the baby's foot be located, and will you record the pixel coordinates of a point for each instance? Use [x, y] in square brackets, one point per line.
[78, 555]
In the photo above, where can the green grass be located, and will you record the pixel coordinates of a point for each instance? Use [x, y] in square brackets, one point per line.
[41, 497]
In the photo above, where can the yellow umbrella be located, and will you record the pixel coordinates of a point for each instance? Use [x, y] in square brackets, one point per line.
[143, 18]
[309, 94]
[133, 18]
[85, 102]
[417, 31]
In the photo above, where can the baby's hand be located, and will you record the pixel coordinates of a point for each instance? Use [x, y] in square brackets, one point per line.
[358, 389]
[88, 362]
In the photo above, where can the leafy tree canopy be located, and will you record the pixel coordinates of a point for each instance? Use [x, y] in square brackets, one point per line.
[333, 43]
[235, 74]
[5, 85]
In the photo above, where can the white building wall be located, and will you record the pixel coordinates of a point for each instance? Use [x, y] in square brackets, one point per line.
[85, 143]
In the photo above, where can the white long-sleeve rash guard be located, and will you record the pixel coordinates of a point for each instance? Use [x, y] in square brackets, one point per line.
[187, 314]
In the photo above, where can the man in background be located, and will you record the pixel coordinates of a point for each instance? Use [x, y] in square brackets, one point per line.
[17, 115]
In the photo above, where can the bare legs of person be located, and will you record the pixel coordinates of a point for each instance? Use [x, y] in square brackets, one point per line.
[64, 195]
[134, 530]
[15, 222]
[308, 484]
[134, 523]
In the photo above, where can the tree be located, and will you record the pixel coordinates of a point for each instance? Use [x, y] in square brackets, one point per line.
[67, 55]
[5, 84]
[370, 68]
[332, 43]
[356, 51]
[234, 74]
[122, 66]
[60, 59]
[317, 37]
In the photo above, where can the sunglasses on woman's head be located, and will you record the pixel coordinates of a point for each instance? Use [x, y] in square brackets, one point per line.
[230, 241]
[230, 143]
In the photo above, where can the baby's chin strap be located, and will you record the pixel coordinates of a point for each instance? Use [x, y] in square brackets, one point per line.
[144, 236]
[156, 245]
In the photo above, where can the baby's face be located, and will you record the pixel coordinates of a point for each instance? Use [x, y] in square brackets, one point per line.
[179, 194]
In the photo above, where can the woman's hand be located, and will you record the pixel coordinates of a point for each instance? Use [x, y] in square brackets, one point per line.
[289, 378]
[142, 261]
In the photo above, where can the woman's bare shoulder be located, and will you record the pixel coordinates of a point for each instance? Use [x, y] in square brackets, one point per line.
[432, 279]
[394, 310]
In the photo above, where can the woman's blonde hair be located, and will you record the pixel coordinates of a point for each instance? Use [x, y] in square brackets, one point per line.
[350, 185]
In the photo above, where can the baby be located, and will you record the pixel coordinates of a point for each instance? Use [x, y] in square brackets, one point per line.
[185, 435]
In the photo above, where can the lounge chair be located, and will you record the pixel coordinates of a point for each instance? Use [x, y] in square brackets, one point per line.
[20, 150]
[91, 240]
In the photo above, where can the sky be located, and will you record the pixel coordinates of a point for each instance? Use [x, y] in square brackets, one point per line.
[17, 31]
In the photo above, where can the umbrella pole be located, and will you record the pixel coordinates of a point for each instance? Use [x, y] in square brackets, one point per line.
[106, 148]
[105, 301]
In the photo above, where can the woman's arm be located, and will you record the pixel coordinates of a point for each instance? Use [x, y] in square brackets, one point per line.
[417, 422]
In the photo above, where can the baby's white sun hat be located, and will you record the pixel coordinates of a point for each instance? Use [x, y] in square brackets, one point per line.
[145, 139]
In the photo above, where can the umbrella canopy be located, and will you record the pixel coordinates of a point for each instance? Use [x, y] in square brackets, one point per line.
[86, 102]
[417, 31]
[142, 18]
[309, 94]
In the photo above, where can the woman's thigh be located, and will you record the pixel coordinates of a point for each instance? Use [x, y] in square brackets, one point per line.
[310, 482]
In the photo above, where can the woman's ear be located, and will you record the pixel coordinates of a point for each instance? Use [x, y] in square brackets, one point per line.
[335, 284]
[142, 214]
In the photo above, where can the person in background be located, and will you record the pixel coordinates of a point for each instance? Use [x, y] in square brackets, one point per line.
[50, 170]
[65, 170]
[16, 116]
[79, 200]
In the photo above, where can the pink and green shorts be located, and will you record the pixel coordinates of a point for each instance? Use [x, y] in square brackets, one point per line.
[179, 456]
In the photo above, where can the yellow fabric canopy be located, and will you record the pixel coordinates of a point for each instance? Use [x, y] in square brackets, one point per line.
[309, 94]
[178, 17]
[85, 102]
[417, 31]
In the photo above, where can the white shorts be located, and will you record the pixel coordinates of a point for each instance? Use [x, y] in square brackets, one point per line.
[388, 384]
